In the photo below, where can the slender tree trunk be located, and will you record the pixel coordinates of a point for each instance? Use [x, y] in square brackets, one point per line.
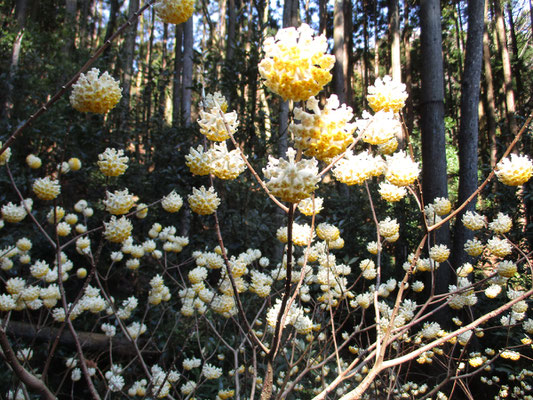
[517, 65]
[376, 40]
[348, 52]
[230, 50]
[492, 117]
[127, 67]
[188, 41]
[469, 127]
[409, 112]
[176, 82]
[20, 9]
[323, 16]
[366, 63]
[70, 24]
[434, 169]
[394, 21]
[338, 49]
[507, 78]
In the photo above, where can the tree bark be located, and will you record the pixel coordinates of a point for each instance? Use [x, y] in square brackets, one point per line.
[348, 52]
[434, 169]
[394, 21]
[338, 49]
[469, 126]
[186, 88]
[516, 65]
[176, 82]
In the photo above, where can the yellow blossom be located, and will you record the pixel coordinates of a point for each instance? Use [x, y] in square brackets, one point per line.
[387, 95]
[514, 171]
[174, 11]
[46, 188]
[203, 201]
[92, 93]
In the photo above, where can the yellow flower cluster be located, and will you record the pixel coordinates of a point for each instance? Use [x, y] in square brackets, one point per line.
[514, 171]
[117, 230]
[198, 161]
[213, 124]
[327, 232]
[389, 147]
[355, 169]
[159, 291]
[507, 268]
[215, 100]
[390, 192]
[203, 201]
[387, 95]
[380, 128]
[13, 213]
[473, 247]
[112, 162]
[226, 164]
[120, 202]
[295, 66]
[92, 93]
[46, 188]
[501, 224]
[401, 170]
[309, 206]
[33, 161]
[172, 202]
[473, 221]
[5, 156]
[389, 227]
[439, 253]
[174, 11]
[326, 133]
[290, 180]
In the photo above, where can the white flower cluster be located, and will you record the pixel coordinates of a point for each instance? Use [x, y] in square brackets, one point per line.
[295, 317]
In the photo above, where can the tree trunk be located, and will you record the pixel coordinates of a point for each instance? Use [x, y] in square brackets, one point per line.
[176, 82]
[338, 50]
[434, 170]
[127, 67]
[492, 117]
[186, 88]
[230, 51]
[507, 78]
[469, 127]
[366, 62]
[376, 40]
[70, 23]
[348, 52]
[517, 65]
[409, 112]
[394, 21]
[323, 16]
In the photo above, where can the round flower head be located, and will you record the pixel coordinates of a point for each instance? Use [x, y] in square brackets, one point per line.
[213, 124]
[13, 213]
[117, 230]
[387, 95]
[390, 192]
[290, 180]
[514, 171]
[507, 269]
[226, 164]
[174, 11]
[388, 227]
[172, 203]
[439, 253]
[501, 224]
[92, 93]
[301, 234]
[215, 100]
[199, 161]
[389, 147]
[309, 206]
[327, 232]
[74, 164]
[120, 202]
[46, 188]
[33, 161]
[499, 247]
[295, 66]
[473, 247]
[473, 221]
[112, 162]
[202, 201]
[401, 170]
[326, 133]
[442, 206]
[5, 156]
[379, 128]
[354, 169]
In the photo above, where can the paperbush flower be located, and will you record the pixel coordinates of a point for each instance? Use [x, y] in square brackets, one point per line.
[473, 221]
[213, 124]
[55, 215]
[306, 206]
[442, 206]
[198, 161]
[389, 147]
[174, 11]
[13, 213]
[401, 170]
[95, 94]
[327, 232]
[172, 203]
[387, 95]
[514, 170]
[215, 100]
[301, 234]
[46, 188]
[5, 156]
[390, 192]
[203, 201]
[507, 268]
[379, 128]
[117, 230]
[289, 180]
[501, 224]
[326, 133]
[33, 161]
[112, 162]
[499, 247]
[354, 169]
[295, 66]
[120, 202]
[388, 227]
[226, 164]
[439, 253]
